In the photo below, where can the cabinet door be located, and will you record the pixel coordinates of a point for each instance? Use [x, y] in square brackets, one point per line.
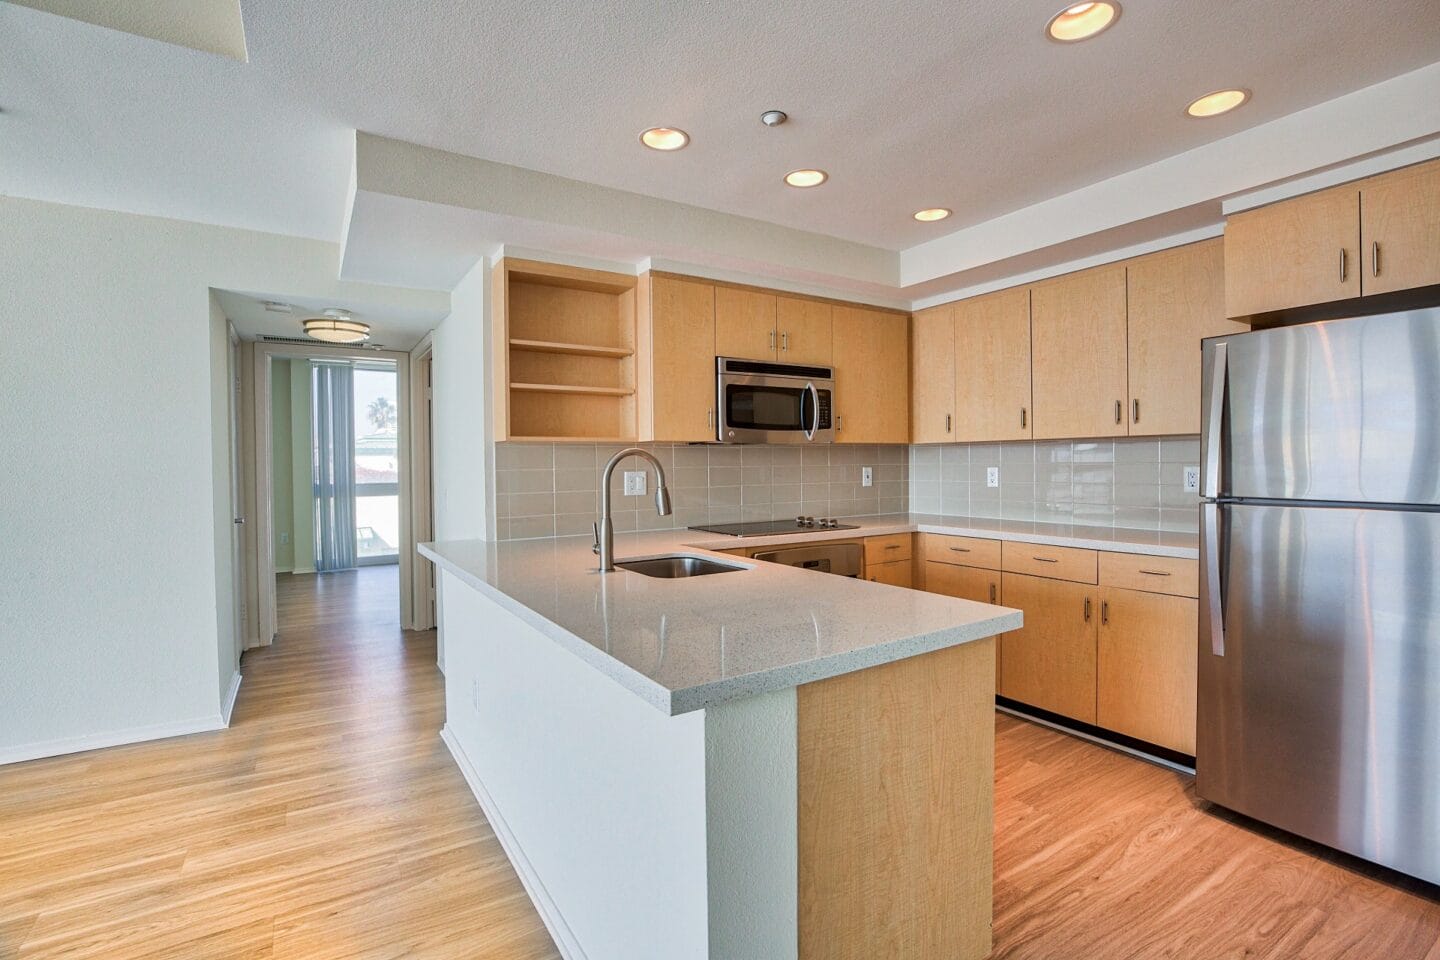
[1176, 299]
[1146, 664]
[897, 573]
[932, 375]
[682, 343]
[1077, 328]
[1400, 227]
[872, 376]
[804, 327]
[967, 583]
[745, 324]
[1293, 253]
[1050, 662]
[992, 367]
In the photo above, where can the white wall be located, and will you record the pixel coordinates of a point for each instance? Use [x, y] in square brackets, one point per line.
[223, 509]
[463, 435]
[108, 561]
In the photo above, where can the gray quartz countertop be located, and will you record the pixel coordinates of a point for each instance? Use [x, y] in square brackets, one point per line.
[686, 644]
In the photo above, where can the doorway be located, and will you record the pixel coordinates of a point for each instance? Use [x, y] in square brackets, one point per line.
[332, 477]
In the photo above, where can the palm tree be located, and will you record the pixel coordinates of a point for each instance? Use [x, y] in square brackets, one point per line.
[382, 413]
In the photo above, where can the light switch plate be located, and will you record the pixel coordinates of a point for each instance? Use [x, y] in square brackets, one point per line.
[1192, 479]
[866, 478]
[634, 483]
[284, 537]
[992, 476]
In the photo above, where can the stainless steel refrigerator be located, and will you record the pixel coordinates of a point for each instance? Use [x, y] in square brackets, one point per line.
[1319, 646]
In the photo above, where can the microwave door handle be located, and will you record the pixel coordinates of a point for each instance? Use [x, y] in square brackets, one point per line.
[814, 426]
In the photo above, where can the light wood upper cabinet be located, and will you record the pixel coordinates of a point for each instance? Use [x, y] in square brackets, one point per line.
[932, 375]
[1400, 229]
[1146, 666]
[1293, 253]
[1050, 662]
[872, 376]
[1176, 299]
[680, 353]
[1079, 354]
[804, 328]
[745, 324]
[992, 367]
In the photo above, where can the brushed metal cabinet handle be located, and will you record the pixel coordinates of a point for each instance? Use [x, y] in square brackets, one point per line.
[1375, 259]
[1135, 410]
[1087, 609]
[892, 546]
[947, 423]
[1022, 418]
[785, 340]
[1157, 573]
[1104, 612]
[992, 593]
[960, 549]
[710, 417]
[1342, 264]
[1119, 407]
[1046, 559]
[772, 339]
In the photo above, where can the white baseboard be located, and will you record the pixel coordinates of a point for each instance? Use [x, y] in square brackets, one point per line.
[113, 738]
[560, 931]
[228, 704]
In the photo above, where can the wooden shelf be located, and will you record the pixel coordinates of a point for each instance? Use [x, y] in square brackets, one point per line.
[572, 389]
[572, 349]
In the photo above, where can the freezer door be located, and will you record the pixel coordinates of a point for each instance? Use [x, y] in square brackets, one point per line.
[1346, 410]
[1320, 710]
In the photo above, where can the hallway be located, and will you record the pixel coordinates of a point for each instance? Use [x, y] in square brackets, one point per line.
[328, 822]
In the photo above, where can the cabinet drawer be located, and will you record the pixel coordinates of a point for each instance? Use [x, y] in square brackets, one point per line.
[1057, 563]
[965, 551]
[887, 549]
[1179, 578]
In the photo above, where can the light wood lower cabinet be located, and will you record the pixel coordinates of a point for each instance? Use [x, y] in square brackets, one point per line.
[967, 583]
[1050, 662]
[1146, 665]
[897, 573]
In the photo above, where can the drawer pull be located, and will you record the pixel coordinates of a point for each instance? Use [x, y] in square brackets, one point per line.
[1046, 559]
[960, 549]
[1157, 573]
[1087, 609]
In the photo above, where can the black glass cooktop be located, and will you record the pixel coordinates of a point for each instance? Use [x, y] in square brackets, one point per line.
[765, 528]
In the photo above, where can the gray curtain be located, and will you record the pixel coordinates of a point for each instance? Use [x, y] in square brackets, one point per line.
[333, 463]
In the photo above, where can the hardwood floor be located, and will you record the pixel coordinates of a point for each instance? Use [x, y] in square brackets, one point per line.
[330, 822]
[327, 822]
[1103, 857]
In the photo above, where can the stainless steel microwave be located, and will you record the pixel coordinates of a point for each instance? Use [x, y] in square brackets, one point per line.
[763, 402]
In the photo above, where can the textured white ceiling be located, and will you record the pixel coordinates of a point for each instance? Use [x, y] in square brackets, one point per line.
[960, 104]
[393, 327]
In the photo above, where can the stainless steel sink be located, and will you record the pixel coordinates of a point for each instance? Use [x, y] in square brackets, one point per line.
[677, 565]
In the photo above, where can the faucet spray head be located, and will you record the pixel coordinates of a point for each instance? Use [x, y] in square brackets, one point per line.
[662, 500]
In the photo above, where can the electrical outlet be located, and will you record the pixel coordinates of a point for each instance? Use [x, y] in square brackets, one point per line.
[867, 479]
[992, 476]
[634, 483]
[284, 537]
[1192, 479]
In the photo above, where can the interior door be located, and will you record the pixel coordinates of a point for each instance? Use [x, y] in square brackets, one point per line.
[241, 617]
[1319, 706]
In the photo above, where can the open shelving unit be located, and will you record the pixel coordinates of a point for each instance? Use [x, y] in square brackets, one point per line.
[567, 336]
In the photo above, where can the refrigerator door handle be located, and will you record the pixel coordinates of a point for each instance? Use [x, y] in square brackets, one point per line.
[1212, 424]
[1215, 600]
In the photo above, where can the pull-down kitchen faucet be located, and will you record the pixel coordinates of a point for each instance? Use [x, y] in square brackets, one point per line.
[605, 530]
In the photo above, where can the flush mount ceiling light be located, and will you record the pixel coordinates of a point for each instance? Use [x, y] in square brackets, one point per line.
[1214, 104]
[664, 138]
[931, 214]
[1081, 21]
[336, 326]
[806, 178]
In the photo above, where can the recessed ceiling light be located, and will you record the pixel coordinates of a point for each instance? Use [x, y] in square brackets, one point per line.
[1082, 21]
[806, 178]
[931, 214]
[664, 138]
[336, 326]
[1214, 104]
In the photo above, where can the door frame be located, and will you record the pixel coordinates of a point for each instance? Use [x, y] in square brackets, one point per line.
[422, 507]
[265, 495]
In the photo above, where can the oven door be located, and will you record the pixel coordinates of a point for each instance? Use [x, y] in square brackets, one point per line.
[757, 408]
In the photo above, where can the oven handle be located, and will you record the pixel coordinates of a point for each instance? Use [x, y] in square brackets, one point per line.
[815, 406]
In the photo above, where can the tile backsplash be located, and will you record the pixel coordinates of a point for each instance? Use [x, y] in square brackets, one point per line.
[550, 489]
[1134, 483]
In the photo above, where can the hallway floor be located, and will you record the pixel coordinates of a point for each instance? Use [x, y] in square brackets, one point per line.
[329, 822]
